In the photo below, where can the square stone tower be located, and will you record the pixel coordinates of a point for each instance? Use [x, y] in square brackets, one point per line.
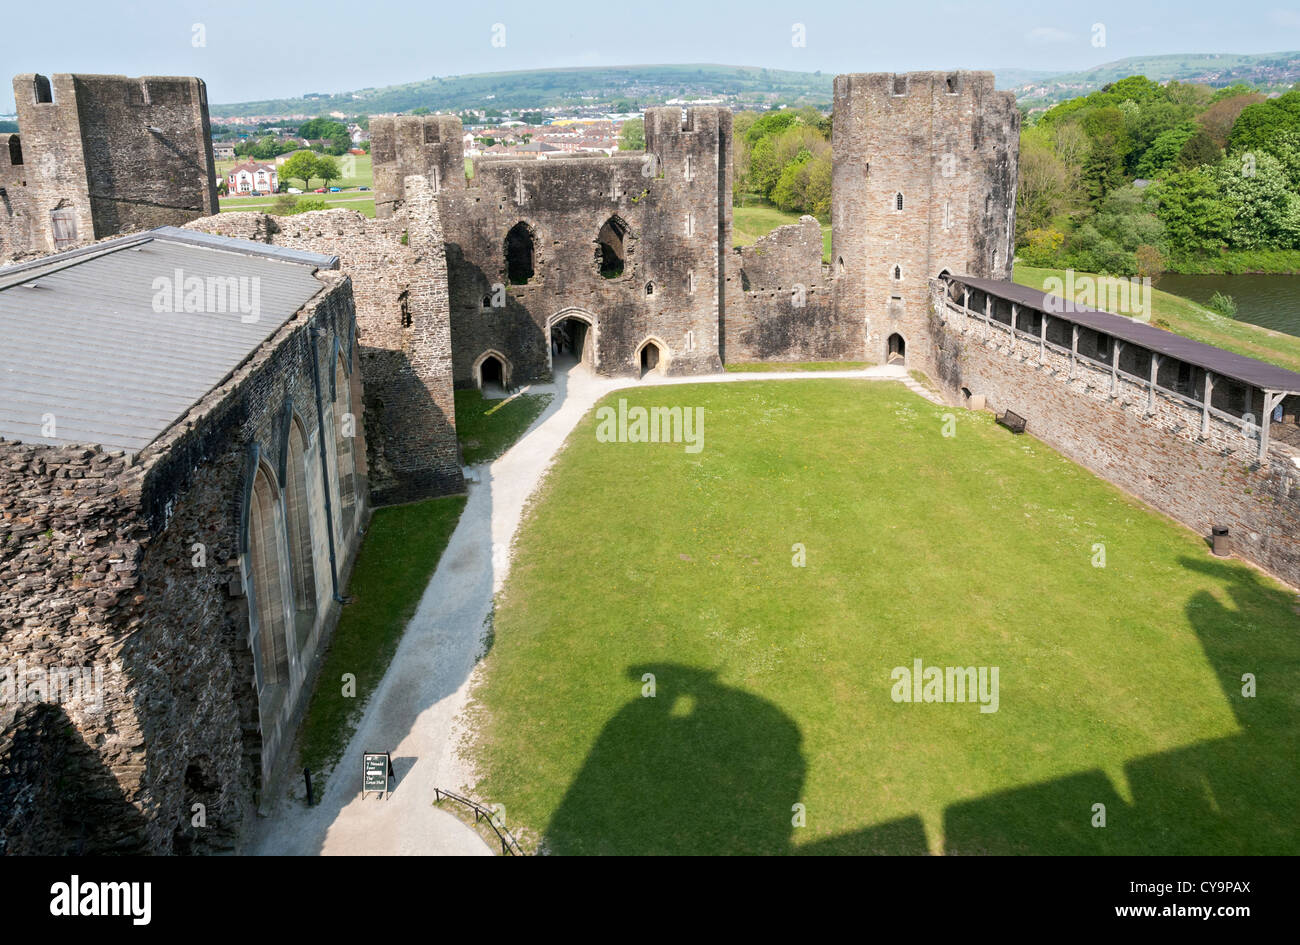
[98, 155]
[924, 182]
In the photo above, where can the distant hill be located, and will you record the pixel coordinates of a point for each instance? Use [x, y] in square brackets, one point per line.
[653, 84]
[1269, 71]
[550, 88]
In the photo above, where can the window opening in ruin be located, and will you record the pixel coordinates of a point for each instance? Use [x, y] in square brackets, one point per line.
[649, 288]
[650, 358]
[952, 85]
[900, 85]
[898, 201]
[611, 252]
[405, 301]
[519, 254]
[840, 266]
[898, 273]
[15, 151]
[301, 564]
[264, 553]
[897, 349]
[44, 94]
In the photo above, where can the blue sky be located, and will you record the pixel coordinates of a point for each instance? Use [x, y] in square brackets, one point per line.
[270, 48]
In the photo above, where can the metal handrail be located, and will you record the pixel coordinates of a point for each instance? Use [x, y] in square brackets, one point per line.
[509, 845]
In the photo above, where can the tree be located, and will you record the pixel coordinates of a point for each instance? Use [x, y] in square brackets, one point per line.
[1103, 169]
[632, 136]
[1188, 204]
[300, 166]
[1044, 189]
[1199, 149]
[1262, 213]
[327, 169]
[1260, 123]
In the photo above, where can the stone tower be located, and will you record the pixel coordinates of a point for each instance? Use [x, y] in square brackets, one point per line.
[98, 155]
[924, 182]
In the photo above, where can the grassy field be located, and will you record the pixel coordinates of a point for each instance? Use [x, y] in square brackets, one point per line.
[1183, 316]
[348, 200]
[752, 218]
[398, 556]
[1118, 685]
[487, 428]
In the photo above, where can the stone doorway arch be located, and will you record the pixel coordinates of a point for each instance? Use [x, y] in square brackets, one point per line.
[492, 368]
[572, 337]
[652, 357]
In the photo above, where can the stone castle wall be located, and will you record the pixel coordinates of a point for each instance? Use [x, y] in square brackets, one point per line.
[399, 279]
[673, 200]
[781, 303]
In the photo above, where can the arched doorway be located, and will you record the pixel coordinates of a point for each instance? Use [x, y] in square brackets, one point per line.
[492, 374]
[571, 340]
[896, 352]
[519, 253]
[651, 358]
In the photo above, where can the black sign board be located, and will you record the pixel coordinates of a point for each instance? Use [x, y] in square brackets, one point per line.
[376, 769]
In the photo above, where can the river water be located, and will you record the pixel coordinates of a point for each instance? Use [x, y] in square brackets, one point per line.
[1270, 301]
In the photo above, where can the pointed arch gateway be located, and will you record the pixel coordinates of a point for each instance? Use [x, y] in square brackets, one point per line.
[652, 357]
[572, 339]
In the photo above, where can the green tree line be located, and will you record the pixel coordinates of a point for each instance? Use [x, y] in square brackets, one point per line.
[784, 156]
[1139, 177]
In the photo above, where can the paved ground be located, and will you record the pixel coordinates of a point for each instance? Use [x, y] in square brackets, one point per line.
[414, 712]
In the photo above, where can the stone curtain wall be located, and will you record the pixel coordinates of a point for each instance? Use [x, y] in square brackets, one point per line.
[780, 306]
[676, 210]
[1157, 456]
[399, 278]
[99, 564]
[948, 142]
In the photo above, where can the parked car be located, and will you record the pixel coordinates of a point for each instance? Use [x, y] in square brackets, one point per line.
[293, 190]
[319, 190]
[363, 188]
[335, 190]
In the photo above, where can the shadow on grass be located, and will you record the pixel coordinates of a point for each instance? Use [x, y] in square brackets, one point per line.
[700, 768]
[682, 773]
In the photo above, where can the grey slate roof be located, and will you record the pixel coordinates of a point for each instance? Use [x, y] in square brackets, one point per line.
[80, 337]
[1249, 371]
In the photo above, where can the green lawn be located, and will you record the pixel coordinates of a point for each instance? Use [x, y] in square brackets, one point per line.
[752, 218]
[487, 428]
[1118, 685]
[363, 203]
[398, 556]
[1183, 316]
